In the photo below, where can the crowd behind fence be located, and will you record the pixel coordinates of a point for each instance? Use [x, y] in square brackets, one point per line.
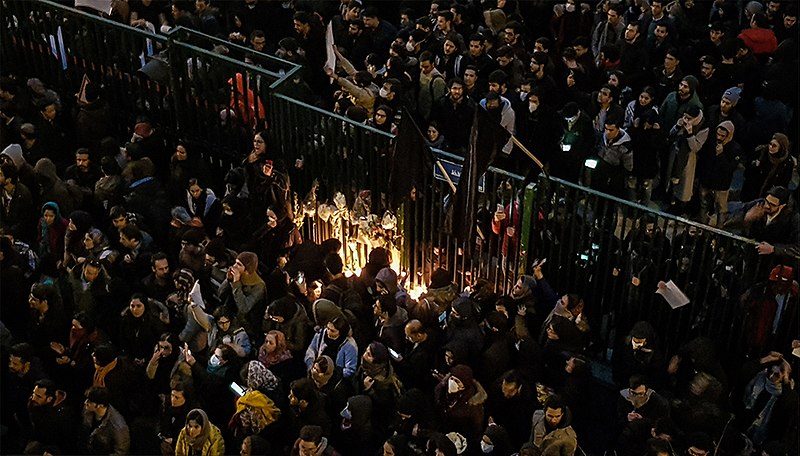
[612, 252]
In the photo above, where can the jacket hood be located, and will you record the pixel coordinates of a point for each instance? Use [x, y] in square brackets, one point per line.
[360, 408]
[693, 83]
[82, 220]
[14, 152]
[729, 128]
[46, 169]
[622, 138]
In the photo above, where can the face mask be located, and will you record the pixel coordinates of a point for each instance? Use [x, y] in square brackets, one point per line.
[214, 361]
[383, 93]
[452, 386]
[570, 7]
[486, 448]
[523, 96]
[533, 107]
[571, 120]
[410, 46]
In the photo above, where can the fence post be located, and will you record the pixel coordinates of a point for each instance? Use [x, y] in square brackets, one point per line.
[527, 226]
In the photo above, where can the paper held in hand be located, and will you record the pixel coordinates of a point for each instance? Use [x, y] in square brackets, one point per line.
[673, 295]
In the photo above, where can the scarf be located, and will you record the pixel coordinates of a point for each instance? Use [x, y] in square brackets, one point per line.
[101, 372]
[758, 429]
[280, 354]
[197, 442]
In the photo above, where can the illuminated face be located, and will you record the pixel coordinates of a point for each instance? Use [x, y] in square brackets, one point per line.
[442, 24]
[259, 145]
[456, 91]
[119, 222]
[645, 99]
[180, 153]
[631, 32]
[161, 268]
[553, 416]
[90, 272]
[82, 162]
[661, 33]
[613, 17]
[683, 90]
[426, 67]
[772, 205]
[271, 343]
[509, 389]
[49, 112]
[16, 365]
[789, 21]
[470, 77]
[177, 398]
[224, 324]
[49, 217]
[670, 62]
[475, 48]
[193, 429]
[307, 448]
[774, 147]
[380, 117]
[510, 36]
[137, 308]
[39, 396]
[333, 333]
[371, 22]
[449, 47]
[715, 36]
[300, 28]
[195, 190]
[706, 70]
[725, 105]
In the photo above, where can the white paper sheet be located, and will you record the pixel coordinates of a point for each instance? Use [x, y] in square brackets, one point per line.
[673, 295]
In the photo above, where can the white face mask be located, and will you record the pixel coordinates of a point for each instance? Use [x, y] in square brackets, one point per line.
[383, 92]
[453, 386]
[410, 46]
[533, 107]
[486, 448]
[570, 7]
[214, 361]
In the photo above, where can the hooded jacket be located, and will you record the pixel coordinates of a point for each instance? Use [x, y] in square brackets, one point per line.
[462, 412]
[616, 164]
[52, 188]
[346, 355]
[673, 108]
[507, 120]
[768, 170]
[716, 166]
[561, 441]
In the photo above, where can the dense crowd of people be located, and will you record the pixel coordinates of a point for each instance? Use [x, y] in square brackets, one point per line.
[143, 312]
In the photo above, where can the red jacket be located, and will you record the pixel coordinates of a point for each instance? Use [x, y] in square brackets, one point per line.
[760, 41]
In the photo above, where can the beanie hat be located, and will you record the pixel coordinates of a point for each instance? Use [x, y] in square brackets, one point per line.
[249, 260]
[732, 95]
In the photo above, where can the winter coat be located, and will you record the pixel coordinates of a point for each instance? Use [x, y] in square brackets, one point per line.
[111, 436]
[52, 188]
[561, 441]
[760, 40]
[507, 120]
[464, 415]
[616, 163]
[766, 172]
[716, 169]
[346, 356]
[673, 109]
[214, 446]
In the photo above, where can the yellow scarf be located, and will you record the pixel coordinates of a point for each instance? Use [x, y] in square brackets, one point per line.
[100, 373]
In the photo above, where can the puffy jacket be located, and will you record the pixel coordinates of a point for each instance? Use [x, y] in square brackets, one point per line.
[111, 436]
[346, 356]
[214, 446]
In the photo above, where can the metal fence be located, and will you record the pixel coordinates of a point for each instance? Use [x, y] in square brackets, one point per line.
[610, 251]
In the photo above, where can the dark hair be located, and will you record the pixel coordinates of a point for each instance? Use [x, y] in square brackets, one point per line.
[82, 151]
[23, 351]
[617, 8]
[158, 256]
[573, 299]
[709, 59]
[447, 15]
[610, 52]
[45, 292]
[455, 80]
[117, 212]
[388, 304]
[782, 193]
[99, 395]
[304, 390]
[477, 37]
[581, 41]
[311, 433]
[673, 51]
[371, 11]
[48, 385]
[555, 402]
[637, 380]
[334, 264]
[498, 76]
[105, 354]
[761, 20]
[341, 325]
[109, 166]
[546, 42]
[505, 51]
[9, 171]
[131, 232]
[426, 56]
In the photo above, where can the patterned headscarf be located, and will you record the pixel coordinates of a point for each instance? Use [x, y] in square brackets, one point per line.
[259, 377]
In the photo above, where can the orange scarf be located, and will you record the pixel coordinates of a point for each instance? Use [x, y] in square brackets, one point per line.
[100, 373]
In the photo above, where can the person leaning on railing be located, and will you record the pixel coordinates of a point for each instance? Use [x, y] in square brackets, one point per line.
[771, 222]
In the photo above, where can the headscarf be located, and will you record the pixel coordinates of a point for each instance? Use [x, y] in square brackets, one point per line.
[259, 377]
[45, 230]
[281, 352]
[205, 430]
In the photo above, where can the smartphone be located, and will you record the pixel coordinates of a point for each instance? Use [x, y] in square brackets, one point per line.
[236, 389]
[161, 437]
[301, 277]
[395, 356]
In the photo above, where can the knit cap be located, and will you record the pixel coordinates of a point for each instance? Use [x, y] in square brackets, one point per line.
[249, 260]
[733, 94]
